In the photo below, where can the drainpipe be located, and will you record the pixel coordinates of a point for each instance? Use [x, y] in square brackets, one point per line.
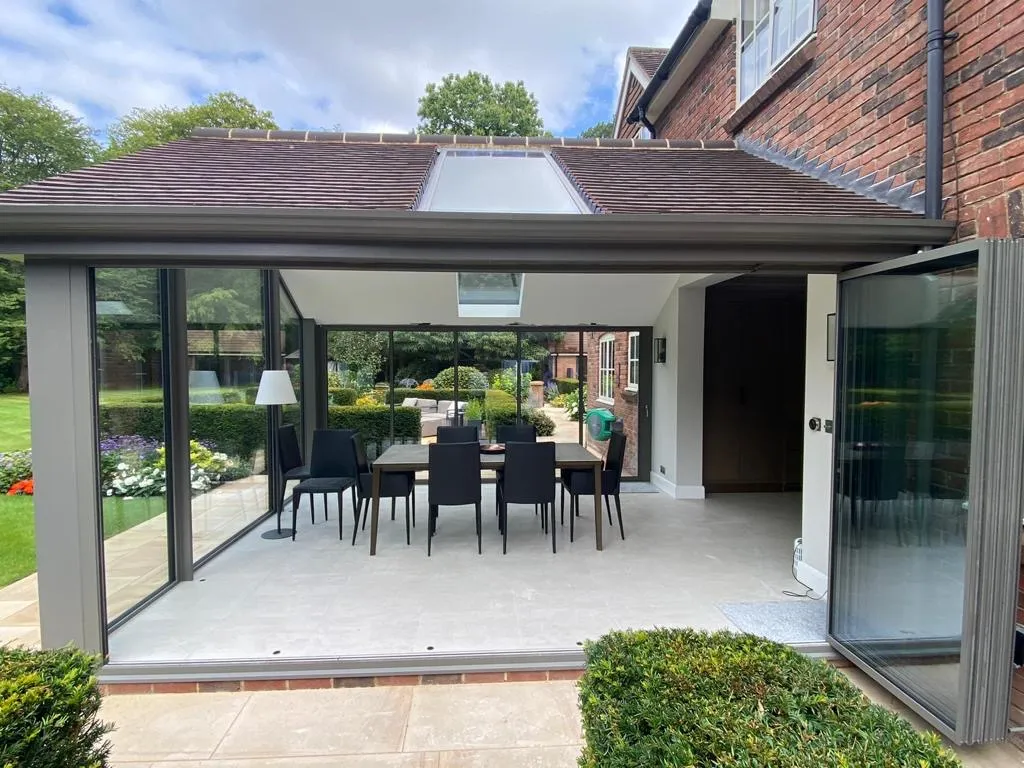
[642, 116]
[934, 110]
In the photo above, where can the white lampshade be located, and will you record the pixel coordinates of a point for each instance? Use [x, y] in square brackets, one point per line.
[275, 389]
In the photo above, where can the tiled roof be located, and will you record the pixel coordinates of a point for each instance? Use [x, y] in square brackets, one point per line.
[227, 342]
[231, 172]
[311, 169]
[649, 59]
[710, 181]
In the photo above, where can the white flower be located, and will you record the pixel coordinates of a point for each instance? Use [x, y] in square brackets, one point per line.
[146, 482]
[122, 466]
[110, 491]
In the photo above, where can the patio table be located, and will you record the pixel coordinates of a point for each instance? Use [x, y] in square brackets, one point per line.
[414, 458]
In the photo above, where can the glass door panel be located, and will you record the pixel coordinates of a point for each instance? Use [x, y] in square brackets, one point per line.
[904, 406]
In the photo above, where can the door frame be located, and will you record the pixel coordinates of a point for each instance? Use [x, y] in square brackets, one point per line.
[995, 494]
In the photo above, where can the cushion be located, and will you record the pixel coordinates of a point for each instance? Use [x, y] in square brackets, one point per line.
[443, 406]
[409, 402]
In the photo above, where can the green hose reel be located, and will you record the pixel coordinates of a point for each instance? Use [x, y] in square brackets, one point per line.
[599, 423]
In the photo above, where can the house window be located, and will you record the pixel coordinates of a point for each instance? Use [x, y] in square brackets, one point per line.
[633, 382]
[769, 31]
[645, 132]
[606, 377]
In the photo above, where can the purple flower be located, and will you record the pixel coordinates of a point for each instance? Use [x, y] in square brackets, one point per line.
[134, 444]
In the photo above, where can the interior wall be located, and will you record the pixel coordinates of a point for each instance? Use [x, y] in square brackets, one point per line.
[819, 401]
[754, 385]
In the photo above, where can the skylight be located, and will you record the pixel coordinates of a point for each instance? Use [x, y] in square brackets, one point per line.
[495, 181]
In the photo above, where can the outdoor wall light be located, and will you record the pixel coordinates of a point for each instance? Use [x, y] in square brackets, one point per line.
[659, 349]
[830, 337]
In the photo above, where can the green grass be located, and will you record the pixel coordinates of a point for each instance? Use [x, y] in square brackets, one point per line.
[14, 424]
[18, 540]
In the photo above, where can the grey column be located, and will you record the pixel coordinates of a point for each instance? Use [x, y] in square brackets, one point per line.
[996, 495]
[311, 385]
[177, 423]
[61, 378]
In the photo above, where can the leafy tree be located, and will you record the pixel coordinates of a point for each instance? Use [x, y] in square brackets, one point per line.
[143, 128]
[473, 105]
[603, 130]
[37, 139]
[362, 352]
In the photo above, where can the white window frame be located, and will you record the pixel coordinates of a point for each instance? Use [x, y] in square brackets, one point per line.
[776, 58]
[633, 359]
[606, 367]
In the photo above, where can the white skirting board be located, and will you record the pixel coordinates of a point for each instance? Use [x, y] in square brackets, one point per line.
[665, 485]
[812, 577]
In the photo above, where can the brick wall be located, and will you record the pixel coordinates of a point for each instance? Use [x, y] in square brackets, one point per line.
[626, 401]
[859, 101]
[633, 91]
[701, 107]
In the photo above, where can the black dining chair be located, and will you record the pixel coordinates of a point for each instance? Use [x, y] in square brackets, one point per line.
[393, 485]
[454, 481]
[289, 460]
[580, 482]
[458, 435]
[512, 433]
[529, 478]
[332, 469]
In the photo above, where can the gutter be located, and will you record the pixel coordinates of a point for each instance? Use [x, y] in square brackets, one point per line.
[686, 37]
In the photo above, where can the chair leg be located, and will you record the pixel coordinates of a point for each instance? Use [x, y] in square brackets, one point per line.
[392, 509]
[573, 503]
[359, 506]
[535, 509]
[479, 530]
[295, 512]
[413, 494]
[354, 502]
[341, 516]
[326, 509]
[608, 506]
[408, 535]
[280, 510]
[365, 503]
[504, 529]
[554, 532]
[618, 512]
[563, 505]
[312, 508]
[431, 512]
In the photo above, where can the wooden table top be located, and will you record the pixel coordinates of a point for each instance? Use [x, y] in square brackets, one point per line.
[414, 457]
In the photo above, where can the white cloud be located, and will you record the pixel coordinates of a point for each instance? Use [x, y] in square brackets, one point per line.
[361, 65]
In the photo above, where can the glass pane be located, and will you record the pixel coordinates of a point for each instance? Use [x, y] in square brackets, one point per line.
[608, 388]
[782, 29]
[803, 18]
[357, 388]
[490, 294]
[551, 385]
[131, 415]
[763, 54]
[424, 391]
[748, 70]
[291, 361]
[747, 14]
[763, 6]
[499, 182]
[906, 372]
[229, 432]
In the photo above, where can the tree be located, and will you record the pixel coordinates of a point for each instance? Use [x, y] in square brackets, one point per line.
[473, 105]
[143, 128]
[362, 352]
[37, 139]
[603, 130]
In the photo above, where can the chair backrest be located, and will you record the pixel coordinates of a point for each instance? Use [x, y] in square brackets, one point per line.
[517, 433]
[289, 456]
[529, 473]
[454, 473]
[459, 435]
[616, 455]
[333, 454]
[362, 463]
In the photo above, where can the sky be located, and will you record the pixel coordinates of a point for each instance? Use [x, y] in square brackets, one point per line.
[358, 65]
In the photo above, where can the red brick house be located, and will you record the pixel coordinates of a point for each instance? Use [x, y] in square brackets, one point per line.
[838, 91]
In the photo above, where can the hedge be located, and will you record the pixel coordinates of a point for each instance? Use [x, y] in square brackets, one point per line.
[374, 423]
[49, 707]
[565, 386]
[688, 698]
[236, 429]
[469, 378]
[343, 396]
[501, 415]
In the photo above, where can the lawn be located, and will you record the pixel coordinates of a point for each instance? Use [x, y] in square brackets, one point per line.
[17, 536]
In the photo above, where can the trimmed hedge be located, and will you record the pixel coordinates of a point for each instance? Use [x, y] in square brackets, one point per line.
[343, 396]
[49, 710]
[688, 698]
[501, 415]
[236, 429]
[374, 423]
[565, 386]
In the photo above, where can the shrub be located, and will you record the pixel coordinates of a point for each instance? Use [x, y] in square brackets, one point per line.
[368, 401]
[343, 396]
[688, 698]
[505, 413]
[505, 380]
[541, 421]
[374, 423]
[565, 386]
[469, 378]
[49, 707]
[15, 466]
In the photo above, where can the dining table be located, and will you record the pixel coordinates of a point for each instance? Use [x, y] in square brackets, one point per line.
[414, 457]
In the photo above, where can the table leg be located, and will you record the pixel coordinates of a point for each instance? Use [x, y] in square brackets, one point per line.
[376, 510]
[598, 533]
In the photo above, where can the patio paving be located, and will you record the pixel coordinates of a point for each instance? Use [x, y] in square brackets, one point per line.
[504, 725]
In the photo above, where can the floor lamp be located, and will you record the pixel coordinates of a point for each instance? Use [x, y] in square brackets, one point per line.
[276, 390]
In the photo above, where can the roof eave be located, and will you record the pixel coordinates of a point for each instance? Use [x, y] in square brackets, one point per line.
[47, 229]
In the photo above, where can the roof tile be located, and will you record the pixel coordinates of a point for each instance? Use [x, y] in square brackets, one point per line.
[649, 59]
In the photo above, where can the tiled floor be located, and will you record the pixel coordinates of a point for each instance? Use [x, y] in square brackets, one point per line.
[321, 597]
[507, 725]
